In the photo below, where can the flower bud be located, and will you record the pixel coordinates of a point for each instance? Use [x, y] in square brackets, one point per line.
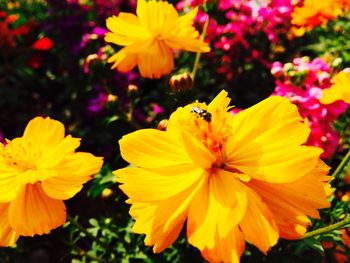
[106, 193]
[288, 67]
[111, 98]
[162, 125]
[132, 88]
[337, 62]
[181, 82]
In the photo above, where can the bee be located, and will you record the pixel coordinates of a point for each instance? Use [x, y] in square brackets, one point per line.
[202, 113]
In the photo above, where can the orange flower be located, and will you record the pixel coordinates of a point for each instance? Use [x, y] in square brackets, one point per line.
[314, 13]
[150, 37]
[37, 172]
[340, 90]
[231, 178]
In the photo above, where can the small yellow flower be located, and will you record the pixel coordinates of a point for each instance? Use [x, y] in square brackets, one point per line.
[340, 90]
[231, 178]
[37, 172]
[150, 37]
[314, 13]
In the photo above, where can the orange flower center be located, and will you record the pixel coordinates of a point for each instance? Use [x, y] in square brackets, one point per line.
[211, 129]
[19, 154]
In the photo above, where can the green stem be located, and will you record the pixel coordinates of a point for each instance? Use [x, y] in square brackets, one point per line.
[198, 55]
[74, 222]
[341, 166]
[337, 226]
[95, 258]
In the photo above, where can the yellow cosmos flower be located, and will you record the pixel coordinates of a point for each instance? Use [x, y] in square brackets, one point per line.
[314, 13]
[340, 90]
[232, 178]
[150, 37]
[37, 172]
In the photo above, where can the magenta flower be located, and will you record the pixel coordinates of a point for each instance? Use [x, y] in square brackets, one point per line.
[302, 81]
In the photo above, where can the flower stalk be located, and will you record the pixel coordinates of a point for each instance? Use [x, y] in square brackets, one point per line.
[337, 173]
[346, 221]
[324, 230]
[198, 54]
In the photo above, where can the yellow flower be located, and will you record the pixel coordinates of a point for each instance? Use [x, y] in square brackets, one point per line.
[314, 13]
[340, 90]
[150, 37]
[37, 172]
[233, 178]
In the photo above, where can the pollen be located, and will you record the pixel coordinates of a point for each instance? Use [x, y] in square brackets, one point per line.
[211, 128]
[19, 155]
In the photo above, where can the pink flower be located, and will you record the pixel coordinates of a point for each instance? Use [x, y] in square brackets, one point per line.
[302, 81]
[237, 28]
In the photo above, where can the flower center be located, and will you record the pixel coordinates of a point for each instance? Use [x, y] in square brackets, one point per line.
[20, 155]
[211, 128]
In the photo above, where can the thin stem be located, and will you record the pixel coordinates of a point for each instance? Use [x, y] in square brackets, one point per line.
[74, 222]
[198, 55]
[341, 166]
[337, 226]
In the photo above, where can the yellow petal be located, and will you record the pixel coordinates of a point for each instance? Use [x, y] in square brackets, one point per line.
[43, 133]
[151, 148]
[9, 185]
[267, 142]
[122, 61]
[201, 224]
[200, 155]
[228, 249]
[52, 157]
[339, 90]
[292, 202]
[291, 221]
[216, 209]
[230, 198]
[163, 221]
[154, 15]
[126, 30]
[4, 207]
[8, 236]
[148, 46]
[118, 39]
[221, 101]
[72, 173]
[189, 44]
[127, 58]
[158, 61]
[307, 194]
[33, 212]
[33, 176]
[146, 186]
[330, 96]
[180, 34]
[258, 225]
[149, 222]
[184, 23]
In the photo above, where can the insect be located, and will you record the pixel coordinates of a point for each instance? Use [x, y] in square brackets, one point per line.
[202, 113]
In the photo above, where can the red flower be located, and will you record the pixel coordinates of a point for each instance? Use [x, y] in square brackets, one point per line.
[12, 18]
[44, 43]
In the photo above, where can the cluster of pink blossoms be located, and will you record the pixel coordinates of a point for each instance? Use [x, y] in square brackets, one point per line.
[236, 33]
[302, 81]
[274, 17]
